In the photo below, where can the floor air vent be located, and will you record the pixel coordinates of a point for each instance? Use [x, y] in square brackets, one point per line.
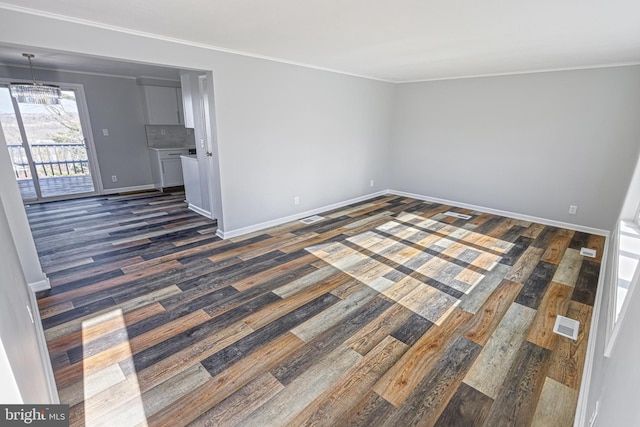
[567, 327]
[591, 253]
[312, 219]
[457, 215]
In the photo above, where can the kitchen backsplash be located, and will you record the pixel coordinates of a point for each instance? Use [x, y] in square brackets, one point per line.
[169, 136]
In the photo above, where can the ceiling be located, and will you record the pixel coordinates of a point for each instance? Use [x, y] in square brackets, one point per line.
[63, 61]
[399, 40]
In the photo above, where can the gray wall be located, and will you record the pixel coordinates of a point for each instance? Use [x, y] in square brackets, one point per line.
[17, 334]
[114, 104]
[286, 131]
[614, 380]
[282, 130]
[531, 144]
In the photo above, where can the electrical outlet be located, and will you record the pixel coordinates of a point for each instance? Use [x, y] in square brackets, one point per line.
[573, 209]
[163, 131]
[371, 183]
[105, 132]
[296, 200]
[114, 178]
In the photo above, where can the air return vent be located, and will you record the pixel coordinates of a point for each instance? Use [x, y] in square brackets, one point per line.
[567, 327]
[591, 253]
[312, 219]
[457, 215]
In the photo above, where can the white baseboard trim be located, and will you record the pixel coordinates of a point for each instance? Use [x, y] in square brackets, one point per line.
[44, 351]
[199, 210]
[267, 224]
[128, 189]
[261, 226]
[40, 285]
[508, 214]
[582, 416]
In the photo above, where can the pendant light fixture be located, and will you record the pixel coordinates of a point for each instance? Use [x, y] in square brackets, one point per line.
[35, 93]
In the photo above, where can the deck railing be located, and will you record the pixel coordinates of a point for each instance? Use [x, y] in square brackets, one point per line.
[50, 160]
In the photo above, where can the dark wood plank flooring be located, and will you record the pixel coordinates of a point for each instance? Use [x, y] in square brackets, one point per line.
[387, 312]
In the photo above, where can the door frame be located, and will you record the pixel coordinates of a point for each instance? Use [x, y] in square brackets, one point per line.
[212, 170]
[85, 122]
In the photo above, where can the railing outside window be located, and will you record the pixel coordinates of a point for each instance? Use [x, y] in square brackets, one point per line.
[50, 160]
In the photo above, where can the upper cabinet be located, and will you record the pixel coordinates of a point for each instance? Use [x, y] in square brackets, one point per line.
[162, 105]
[188, 96]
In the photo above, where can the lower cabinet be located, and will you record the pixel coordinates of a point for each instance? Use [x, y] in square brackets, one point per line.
[166, 167]
[191, 176]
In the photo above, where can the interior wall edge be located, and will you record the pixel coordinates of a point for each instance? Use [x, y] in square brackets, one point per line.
[50, 378]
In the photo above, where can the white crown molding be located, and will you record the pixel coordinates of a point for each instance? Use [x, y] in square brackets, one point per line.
[64, 70]
[138, 33]
[516, 73]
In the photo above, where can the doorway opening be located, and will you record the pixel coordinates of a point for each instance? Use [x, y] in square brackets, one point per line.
[47, 145]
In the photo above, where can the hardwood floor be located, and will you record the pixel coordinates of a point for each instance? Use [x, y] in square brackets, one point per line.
[387, 312]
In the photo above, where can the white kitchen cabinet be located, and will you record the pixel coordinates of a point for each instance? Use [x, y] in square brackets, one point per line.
[188, 96]
[191, 181]
[163, 105]
[166, 166]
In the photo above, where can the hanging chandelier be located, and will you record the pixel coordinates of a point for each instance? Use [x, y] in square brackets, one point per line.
[35, 93]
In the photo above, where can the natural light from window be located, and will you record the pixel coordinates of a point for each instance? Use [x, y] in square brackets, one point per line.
[629, 257]
[111, 392]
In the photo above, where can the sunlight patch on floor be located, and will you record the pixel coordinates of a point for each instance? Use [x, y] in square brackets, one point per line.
[450, 261]
[111, 392]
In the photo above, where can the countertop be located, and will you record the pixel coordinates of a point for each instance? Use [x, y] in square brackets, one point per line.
[171, 148]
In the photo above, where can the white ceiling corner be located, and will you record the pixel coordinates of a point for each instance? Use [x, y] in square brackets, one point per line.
[399, 40]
